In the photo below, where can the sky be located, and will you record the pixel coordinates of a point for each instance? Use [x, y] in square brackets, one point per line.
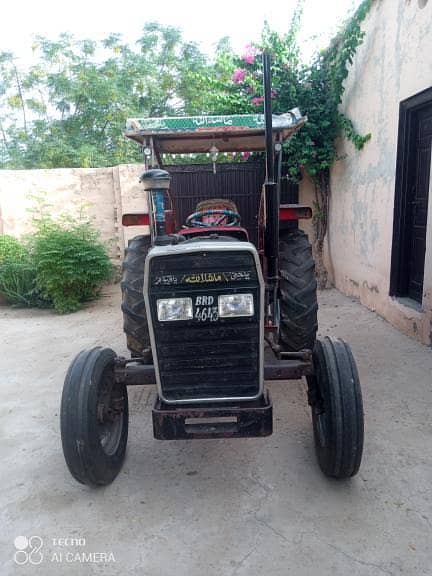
[203, 22]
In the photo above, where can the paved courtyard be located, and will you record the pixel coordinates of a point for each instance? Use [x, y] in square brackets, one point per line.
[216, 507]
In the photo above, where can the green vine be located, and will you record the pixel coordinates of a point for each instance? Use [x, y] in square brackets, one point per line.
[317, 88]
[326, 77]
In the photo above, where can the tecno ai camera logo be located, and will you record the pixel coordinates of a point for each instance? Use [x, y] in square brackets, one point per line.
[28, 550]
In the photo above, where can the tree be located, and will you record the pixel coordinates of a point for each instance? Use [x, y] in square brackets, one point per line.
[70, 108]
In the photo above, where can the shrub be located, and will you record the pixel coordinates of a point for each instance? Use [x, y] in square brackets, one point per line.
[17, 273]
[11, 249]
[71, 263]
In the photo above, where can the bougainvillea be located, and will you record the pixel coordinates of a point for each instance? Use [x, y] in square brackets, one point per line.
[316, 88]
[239, 76]
[249, 54]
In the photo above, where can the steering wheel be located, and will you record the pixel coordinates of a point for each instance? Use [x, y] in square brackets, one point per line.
[196, 219]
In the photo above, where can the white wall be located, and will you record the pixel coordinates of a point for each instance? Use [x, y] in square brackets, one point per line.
[393, 63]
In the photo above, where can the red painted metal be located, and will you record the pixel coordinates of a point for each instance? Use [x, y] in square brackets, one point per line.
[290, 212]
[141, 219]
[236, 231]
[136, 219]
[170, 221]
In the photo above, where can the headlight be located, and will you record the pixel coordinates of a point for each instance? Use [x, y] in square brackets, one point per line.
[232, 305]
[169, 309]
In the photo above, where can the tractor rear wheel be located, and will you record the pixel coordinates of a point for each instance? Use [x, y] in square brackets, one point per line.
[297, 292]
[134, 313]
[337, 409]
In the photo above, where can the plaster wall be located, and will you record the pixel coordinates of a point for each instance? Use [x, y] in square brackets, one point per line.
[103, 194]
[393, 63]
[307, 197]
[132, 198]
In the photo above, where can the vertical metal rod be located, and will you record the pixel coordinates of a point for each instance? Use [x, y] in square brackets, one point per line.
[268, 117]
[272, 195]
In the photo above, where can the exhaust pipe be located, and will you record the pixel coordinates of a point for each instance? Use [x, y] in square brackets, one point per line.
[272, 195]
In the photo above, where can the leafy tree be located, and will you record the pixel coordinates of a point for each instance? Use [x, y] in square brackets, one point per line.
[70, 108]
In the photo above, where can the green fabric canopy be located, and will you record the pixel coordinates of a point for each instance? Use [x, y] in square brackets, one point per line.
[228, 133]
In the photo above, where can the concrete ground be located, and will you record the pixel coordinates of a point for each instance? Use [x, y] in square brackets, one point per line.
[216, 507]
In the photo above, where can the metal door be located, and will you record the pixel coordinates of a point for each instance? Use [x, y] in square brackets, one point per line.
[417, 205]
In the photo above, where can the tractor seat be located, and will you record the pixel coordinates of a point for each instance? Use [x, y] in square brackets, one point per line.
[208, 222]
[215, 204]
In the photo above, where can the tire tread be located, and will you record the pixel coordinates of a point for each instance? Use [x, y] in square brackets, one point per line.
[297, 292]
[81, 446]
[135, 323]
[340, 393]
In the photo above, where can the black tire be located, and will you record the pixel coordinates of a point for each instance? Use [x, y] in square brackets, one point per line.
[337, 409]
[94, 418]
[134, 313]
[297, 292]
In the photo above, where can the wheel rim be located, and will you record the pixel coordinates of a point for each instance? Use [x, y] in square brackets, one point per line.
[111, 414]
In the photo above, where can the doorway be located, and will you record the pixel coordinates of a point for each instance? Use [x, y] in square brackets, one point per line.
[413, 172]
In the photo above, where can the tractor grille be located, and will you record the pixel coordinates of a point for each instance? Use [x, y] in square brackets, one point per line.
[214, 358]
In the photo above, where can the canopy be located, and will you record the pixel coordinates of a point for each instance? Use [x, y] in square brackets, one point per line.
[235, 133]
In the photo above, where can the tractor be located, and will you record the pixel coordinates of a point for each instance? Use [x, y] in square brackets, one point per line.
[214, 308]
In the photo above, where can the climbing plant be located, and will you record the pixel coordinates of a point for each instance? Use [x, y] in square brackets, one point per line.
[322, 88]
[316, 87]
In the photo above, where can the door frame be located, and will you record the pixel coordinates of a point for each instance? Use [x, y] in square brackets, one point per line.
[399, 264]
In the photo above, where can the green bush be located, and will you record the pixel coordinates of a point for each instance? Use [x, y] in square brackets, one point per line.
[17, 283]
[71, 263]
[17, 273]
[11, 249]
[62, 264]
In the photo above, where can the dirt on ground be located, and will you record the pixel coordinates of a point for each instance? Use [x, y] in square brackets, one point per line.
[215, 507]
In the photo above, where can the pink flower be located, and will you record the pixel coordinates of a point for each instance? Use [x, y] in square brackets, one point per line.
[257, 100]
[239, 75]
[249, 54]
[245, 155]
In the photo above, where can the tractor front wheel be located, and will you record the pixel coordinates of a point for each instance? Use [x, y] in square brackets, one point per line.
[297, 292]
[337, 409]
[94, 418]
